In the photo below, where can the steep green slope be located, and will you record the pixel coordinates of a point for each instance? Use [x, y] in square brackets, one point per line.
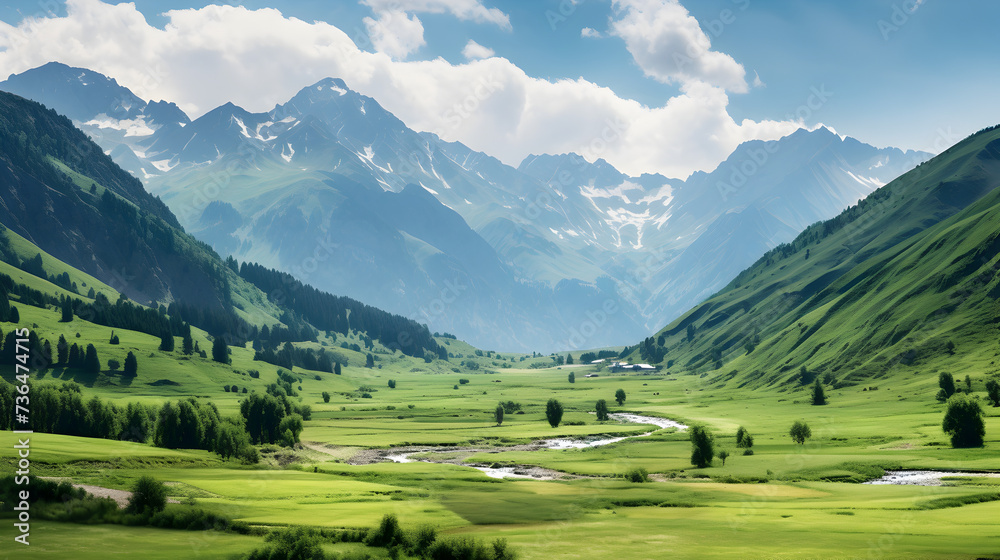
[905, 279]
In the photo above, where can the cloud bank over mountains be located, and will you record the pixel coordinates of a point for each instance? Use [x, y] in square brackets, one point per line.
[203, 58]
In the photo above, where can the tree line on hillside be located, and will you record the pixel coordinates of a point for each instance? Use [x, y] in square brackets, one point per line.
[342, 314]
[268, 418]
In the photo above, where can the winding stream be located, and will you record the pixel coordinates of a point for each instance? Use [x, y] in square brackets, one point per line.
[925, 478]
[539, 473]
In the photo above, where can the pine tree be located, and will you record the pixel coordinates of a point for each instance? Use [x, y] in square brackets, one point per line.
[131, 365]
[220, 350]
[188, 344]
[46, 360]
[167, 342]
[336, 368]
[819, 397]
[74, 359]
[369, 361]
[62, 350]
[91, 363]
[67, 311]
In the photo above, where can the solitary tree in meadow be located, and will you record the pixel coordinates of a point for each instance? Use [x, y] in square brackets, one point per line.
[800, 432]
[602, 410]
[326, 396]
[572, 377]
[963, 421]
[553, 412]
[723, 455]
[131, 365]
[702, 447]
[498, 414]
[744, 440]
[620, 396]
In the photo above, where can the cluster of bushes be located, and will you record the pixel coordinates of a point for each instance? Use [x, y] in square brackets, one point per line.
[189, 424]
[306, 544]
[273, 417]
[60, 501]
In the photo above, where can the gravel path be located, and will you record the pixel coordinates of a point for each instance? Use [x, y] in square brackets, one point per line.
[121, 497]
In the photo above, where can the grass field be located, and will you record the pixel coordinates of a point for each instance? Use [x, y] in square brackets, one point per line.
[784, 501]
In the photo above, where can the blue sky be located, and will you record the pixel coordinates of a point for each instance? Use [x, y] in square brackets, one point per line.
[909, 77]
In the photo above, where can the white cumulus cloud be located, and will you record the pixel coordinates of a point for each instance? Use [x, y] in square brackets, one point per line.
[205, 57]
[468, 10]
[475, 51]
[590, 33]
[670, 46]
[395, 33]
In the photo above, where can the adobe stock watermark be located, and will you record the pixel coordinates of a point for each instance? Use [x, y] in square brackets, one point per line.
[482, 90]
[901, 14]
[757, 158]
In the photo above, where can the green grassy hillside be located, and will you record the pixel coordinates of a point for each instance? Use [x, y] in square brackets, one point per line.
[902, 284]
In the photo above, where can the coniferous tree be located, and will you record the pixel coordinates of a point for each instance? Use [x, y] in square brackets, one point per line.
[13, 316]
[91, 363]
[336, 368]
[46, 357]
[220, 350]
[131, 365]
[67, 310]
[75, 360]
[62, 350]
[167, 342]
[818, 396]
[188, 344]
[10, 348]
[702, 447]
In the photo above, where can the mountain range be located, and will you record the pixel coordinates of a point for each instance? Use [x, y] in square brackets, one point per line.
[556, 253]
[904, 281]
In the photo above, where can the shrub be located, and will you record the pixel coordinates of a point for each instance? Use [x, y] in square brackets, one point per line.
[637, 474]
[392, 383]
[148, 496]
[326, 396]
[386, 534]
[290, 544]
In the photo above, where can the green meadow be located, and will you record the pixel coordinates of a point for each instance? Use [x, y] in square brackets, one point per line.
[783, 501]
